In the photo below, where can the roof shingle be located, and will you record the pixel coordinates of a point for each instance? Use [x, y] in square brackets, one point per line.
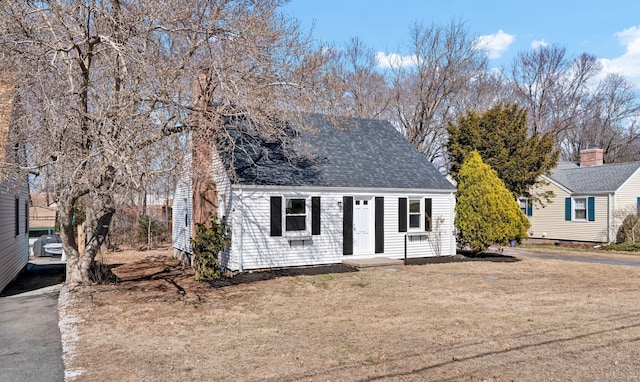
[604, 178]
[366, 153]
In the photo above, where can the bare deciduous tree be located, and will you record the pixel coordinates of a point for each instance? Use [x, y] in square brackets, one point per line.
[553, 87]
[367, 94]
[104, 84]
[445, 60]
[610, 122]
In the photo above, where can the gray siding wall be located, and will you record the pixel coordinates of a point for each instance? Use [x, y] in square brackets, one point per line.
[14, 249]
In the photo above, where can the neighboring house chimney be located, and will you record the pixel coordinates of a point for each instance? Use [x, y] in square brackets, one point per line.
[591, 157]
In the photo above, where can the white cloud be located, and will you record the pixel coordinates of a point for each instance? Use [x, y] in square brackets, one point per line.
[386, 61]
[535, 44]
[495, 44]
[628, 64]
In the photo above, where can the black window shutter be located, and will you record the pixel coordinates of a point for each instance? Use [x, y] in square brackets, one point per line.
[428, 226]
[379, 225]
[402, 214]
[315, 215]
[347, 225]
[276, 216]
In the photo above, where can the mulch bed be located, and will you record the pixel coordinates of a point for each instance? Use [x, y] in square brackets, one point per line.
[166, 268]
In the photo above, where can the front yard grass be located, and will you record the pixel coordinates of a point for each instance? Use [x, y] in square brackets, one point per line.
[529, 320]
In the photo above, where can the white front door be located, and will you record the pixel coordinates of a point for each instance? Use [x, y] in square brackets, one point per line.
[361, 226]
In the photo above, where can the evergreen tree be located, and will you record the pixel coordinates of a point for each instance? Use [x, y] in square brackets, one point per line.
[500, 135]
[486, 212]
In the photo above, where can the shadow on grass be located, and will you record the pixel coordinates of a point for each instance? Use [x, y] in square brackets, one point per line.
[172, 272]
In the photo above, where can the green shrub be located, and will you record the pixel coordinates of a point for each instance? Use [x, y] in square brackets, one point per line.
[629, 231]
[149, 227]
[623, 247]
[210, 239]
[486, 212]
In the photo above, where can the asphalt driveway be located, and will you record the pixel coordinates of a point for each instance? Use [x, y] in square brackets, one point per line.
[632, 261]
[30, 344]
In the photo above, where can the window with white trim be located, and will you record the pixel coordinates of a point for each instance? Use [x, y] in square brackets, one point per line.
[580, 209]
[525, 206]
[295, 214]
[415, 214]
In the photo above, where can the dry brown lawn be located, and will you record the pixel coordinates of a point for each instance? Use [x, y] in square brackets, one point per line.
[531, 320]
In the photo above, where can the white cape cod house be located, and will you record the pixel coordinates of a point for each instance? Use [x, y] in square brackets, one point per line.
[363, 192]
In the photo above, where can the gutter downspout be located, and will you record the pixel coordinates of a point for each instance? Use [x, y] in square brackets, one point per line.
[452, 232]
[609, 216]
[241, 201]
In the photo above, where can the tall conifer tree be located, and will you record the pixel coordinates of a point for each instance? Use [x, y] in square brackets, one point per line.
[486, 212]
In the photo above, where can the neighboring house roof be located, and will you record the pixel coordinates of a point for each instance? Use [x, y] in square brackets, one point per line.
[604, 178]
[365, 153]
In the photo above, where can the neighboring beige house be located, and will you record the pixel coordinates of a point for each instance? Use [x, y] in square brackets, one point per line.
[590, 200]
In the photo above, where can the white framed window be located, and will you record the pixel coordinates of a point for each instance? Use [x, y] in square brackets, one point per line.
[415, 214]
[580, 209]
[525, 206]
[295, 214]
[524, 203]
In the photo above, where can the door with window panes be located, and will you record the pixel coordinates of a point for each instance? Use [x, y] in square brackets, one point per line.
[361, 226]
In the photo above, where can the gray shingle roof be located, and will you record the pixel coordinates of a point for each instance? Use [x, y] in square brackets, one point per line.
[593, 179]
[364, 154]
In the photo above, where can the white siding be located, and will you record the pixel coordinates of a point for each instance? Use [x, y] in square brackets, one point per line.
[443, 206]
[182, 228]
[182, 213]
[253, 247]
[625, 201]
[549, 222]
[14, 249]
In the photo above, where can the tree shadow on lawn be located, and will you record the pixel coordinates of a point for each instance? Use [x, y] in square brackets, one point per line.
[174, 272]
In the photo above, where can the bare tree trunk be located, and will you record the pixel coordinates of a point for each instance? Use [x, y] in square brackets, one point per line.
[79, 263]
[65, 205]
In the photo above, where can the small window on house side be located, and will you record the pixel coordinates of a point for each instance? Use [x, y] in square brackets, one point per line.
[525, 206]
[17, 217]
[524, 202]
[580, 209]
[296, 215]
[414, 213]
[26, 217]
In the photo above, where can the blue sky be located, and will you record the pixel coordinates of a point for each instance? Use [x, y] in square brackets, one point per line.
[610, 30]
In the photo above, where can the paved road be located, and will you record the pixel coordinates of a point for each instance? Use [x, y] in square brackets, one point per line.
[30, 345]
[633, 261]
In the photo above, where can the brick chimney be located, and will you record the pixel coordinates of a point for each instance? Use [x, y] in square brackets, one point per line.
[591, 157]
